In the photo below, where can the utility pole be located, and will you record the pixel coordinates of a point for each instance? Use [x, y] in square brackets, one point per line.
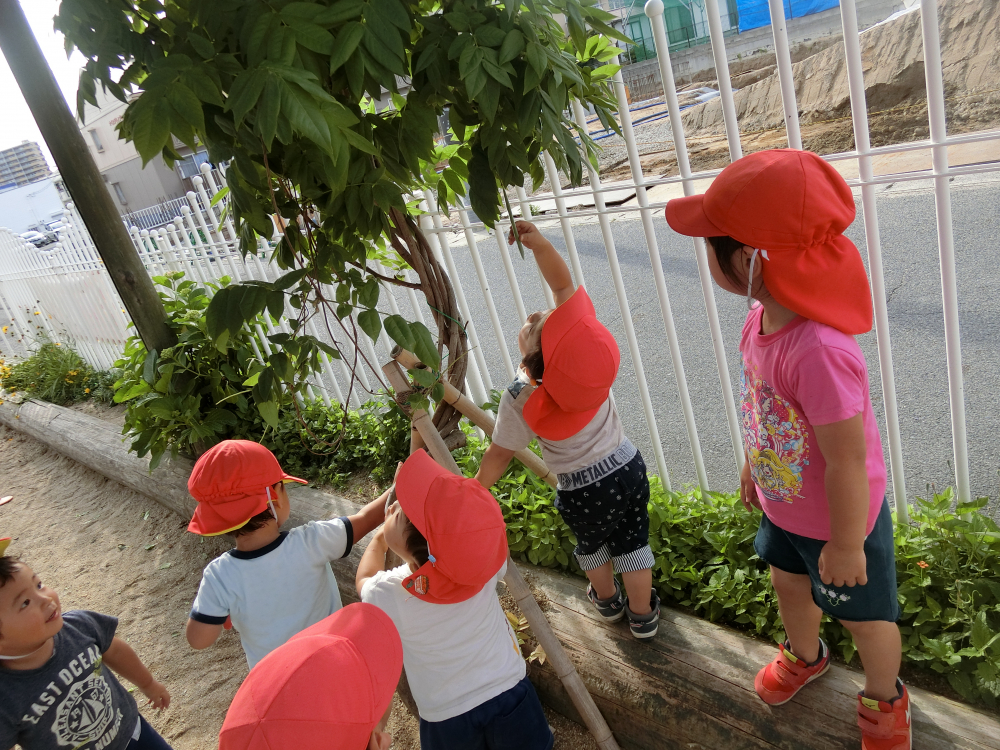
[82, 178]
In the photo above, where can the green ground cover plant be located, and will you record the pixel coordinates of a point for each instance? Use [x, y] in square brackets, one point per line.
[57, 374]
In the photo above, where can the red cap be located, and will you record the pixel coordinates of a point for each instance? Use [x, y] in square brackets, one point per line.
[795, 206]
[581, 363]
[462, 523]
[326, 688]
[230, 483]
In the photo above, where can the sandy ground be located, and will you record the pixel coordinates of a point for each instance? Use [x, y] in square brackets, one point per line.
[106, 548]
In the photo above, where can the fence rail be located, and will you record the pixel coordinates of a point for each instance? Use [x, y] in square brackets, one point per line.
[64, 293]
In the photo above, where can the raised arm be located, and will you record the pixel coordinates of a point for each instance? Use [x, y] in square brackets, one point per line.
[123, 660]
[550, 263]
[370, 517]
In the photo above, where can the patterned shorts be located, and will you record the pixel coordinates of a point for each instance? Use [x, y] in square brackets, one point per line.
[610, 519]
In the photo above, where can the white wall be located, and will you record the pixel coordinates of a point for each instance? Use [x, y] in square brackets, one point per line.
[28, 205]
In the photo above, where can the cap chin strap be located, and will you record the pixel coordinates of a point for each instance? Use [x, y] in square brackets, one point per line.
[753, 258]
[269, 503]
[4, 657]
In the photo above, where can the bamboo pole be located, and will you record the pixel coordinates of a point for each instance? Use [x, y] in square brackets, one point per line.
[516, 584]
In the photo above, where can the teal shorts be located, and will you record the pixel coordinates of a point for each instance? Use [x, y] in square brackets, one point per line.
[799, 555]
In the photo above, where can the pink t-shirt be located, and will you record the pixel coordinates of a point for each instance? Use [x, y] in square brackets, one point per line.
[805, 374]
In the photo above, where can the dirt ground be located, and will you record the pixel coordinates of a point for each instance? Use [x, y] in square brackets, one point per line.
[106, 548]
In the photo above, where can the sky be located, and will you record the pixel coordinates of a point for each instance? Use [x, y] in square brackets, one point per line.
[17, 124]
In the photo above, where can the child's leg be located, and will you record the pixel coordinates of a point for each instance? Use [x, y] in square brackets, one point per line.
[602, 578]
[879, 647]
[799, 613]
[638, 585]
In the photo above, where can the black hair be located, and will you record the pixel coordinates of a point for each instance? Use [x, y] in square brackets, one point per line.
[8, 569]
[255, 523]
[416, 545]
[727, 248]
[534, 364]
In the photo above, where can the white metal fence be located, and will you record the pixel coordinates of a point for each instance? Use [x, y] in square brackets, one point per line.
[66, 294]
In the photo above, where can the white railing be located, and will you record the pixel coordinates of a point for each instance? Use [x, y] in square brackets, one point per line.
[495, 291]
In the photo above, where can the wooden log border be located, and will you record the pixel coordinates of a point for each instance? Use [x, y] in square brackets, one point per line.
[690, 688]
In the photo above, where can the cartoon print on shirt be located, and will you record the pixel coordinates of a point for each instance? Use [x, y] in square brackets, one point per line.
[775, 439]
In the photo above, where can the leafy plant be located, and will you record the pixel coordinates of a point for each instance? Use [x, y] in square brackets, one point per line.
[54, 373]
[293, 96]
[322, 444]
[190, 396]
[947, 566]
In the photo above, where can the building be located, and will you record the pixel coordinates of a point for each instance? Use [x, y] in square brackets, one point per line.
[686, 22]
[132, 186]
[22, 165]
[31, 206]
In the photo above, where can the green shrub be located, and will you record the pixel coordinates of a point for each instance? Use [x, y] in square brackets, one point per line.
[54, 373]
[947, 566]
[329, 451]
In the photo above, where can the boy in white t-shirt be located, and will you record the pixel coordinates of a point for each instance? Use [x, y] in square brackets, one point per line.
[460, 654]
[275, 583]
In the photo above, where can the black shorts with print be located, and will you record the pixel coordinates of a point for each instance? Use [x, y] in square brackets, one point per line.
[610, 518]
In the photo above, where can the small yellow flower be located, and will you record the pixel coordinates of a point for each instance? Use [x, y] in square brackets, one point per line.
[37, 313]
[58, 344]
[86, 390]
[5, 329]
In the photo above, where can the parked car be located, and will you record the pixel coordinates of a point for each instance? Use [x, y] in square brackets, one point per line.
[38, 239]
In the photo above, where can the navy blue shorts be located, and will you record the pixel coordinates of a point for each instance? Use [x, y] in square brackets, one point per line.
[799, 555]
[149, 738]
[514, 720]
[610, 519]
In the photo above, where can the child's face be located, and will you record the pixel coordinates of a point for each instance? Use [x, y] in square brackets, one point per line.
[29, 613]
[529, 338]
[394, 531]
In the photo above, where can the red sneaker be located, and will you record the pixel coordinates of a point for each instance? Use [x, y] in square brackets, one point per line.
[885, 726]
[779, 681]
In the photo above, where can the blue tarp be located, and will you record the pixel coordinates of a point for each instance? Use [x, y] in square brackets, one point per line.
[755, 13]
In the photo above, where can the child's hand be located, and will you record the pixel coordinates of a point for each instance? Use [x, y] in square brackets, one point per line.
[157, 694]
[843, 566]
[531, 238]
[748, 490]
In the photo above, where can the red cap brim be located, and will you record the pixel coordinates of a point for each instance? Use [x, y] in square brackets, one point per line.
[687, 216]
[551, 422]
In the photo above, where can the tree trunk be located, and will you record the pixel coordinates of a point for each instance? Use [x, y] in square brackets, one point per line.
[412, 246]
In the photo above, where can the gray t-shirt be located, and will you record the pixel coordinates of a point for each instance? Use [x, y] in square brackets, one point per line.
[73, 701]
[601, 437]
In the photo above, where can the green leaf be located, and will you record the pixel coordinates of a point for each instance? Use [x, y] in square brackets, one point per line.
[423, 377]
[424, 346]
[343, 10]
[149, 367]
[399, 331]
[151, 128]
[513, 45]
[245, 92]
[394, 12]
[537, 58]
[348, 39]
[201, 45]
[311, 36]
[268, 111]
[306, 118]
[269, 413]
[490, 36]
[437, 392]
[371, 323]
[187, 105]
[483, 187]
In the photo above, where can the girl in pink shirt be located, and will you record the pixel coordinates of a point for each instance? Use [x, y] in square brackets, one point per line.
[774, 222]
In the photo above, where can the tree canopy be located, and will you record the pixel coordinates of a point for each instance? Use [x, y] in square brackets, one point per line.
[327, 112]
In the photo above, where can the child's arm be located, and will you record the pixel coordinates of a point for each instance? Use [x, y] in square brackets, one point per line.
[123, 660]
[842, 561]
[201, 634]
[369, 518]
[550, 263]
[372, 561]
[748, 489]
[495, 461]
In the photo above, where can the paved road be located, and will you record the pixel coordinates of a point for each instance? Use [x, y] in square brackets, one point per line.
[909, 240]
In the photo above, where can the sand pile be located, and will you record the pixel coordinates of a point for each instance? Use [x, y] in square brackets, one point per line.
[894, 80]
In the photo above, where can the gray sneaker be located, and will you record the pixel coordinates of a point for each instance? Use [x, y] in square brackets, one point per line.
[645, 626]
[613, 609]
